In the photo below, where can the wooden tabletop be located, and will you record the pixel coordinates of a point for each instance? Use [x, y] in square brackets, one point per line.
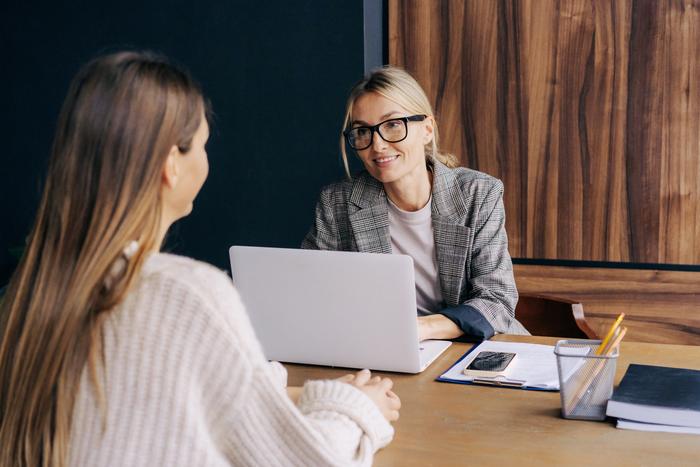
[445, 424]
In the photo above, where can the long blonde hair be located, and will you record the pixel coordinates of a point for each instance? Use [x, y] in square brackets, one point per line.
[401, 88]
[122, 115]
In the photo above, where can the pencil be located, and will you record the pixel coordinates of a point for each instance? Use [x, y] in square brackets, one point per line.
[603, 349]
[616, 341]
[603, 345]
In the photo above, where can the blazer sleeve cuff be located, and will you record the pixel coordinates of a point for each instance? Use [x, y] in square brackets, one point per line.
[471, 321]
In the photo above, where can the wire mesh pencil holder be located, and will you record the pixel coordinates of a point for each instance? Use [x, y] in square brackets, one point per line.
[585, 379]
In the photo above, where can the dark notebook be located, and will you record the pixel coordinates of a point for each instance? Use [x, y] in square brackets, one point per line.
[657, 394]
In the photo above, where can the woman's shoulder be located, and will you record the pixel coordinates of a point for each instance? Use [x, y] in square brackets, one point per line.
[182, 289]
[168, 263]
[183, 270]
[361, 185]
[190, 277]
[469, 180]
[340, 188]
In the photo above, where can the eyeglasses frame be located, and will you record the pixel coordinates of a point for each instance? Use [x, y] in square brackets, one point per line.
[375, 128]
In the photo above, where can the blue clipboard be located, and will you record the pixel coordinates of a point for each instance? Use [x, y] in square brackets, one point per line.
[496, 382]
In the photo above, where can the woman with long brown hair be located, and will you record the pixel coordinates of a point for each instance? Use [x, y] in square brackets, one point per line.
[114, 354]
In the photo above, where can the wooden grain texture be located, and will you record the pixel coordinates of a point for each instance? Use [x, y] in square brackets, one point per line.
[588, 110]
[660, 306]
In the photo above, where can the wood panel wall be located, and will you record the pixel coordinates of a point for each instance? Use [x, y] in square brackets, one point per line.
[588, 110]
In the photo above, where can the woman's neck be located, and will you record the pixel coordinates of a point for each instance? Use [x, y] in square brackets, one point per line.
[166, 221]
[411, 193]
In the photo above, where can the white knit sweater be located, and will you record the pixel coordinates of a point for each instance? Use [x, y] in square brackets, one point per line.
[186, 384]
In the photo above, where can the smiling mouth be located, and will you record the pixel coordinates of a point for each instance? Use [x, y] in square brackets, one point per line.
[385, 160]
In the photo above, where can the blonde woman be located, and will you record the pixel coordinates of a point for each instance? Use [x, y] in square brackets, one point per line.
[112, 353]
[412, 199]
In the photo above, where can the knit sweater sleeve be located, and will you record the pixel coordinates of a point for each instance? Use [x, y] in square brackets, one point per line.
[334, 423]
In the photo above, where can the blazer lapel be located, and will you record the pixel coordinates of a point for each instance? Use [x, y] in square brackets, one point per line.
[453, 238]
[369, 216]
[369, 220]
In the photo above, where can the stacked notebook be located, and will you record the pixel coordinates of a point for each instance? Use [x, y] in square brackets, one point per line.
[655, 398]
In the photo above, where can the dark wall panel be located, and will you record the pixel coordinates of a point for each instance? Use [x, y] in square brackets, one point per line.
[276, 72]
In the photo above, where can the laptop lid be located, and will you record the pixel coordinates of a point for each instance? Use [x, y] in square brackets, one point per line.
[347, 309]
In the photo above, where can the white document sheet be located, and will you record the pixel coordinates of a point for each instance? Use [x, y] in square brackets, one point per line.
[534, 368]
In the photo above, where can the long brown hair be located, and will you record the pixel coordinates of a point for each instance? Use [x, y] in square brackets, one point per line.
[400, 87]
[122, 115]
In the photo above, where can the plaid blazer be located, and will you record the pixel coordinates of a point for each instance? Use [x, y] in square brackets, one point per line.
[471, 244]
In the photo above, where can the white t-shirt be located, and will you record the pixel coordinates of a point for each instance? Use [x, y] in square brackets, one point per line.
[411, 234]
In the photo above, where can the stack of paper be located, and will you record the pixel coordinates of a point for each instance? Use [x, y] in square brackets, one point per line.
[655, 398]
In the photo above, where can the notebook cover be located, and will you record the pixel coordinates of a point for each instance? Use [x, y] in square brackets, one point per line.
[660, 386]
[662, 395]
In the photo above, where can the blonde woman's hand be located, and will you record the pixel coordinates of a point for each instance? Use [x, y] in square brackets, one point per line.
[379, 390]
[294, 393]
[437, 327]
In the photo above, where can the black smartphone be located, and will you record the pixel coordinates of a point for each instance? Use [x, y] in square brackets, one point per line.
[488, 363]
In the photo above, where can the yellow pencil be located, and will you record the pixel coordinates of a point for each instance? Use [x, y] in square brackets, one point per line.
[616, 341]
[609, 335]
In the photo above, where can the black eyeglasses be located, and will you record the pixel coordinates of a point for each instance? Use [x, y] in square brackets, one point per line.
[391, 131]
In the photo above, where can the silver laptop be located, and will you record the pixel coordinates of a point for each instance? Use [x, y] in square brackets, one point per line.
[355, 310]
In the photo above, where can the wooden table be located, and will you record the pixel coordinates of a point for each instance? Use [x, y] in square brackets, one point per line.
[445, 424]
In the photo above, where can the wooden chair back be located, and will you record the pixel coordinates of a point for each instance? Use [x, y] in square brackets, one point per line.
[546, 315]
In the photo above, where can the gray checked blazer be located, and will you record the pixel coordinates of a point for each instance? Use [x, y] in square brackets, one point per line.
[476, 273]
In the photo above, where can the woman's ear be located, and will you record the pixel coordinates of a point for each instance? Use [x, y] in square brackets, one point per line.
[171, 168]
[428, 125]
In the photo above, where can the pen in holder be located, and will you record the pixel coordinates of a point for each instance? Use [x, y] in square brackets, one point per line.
[585, 378]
